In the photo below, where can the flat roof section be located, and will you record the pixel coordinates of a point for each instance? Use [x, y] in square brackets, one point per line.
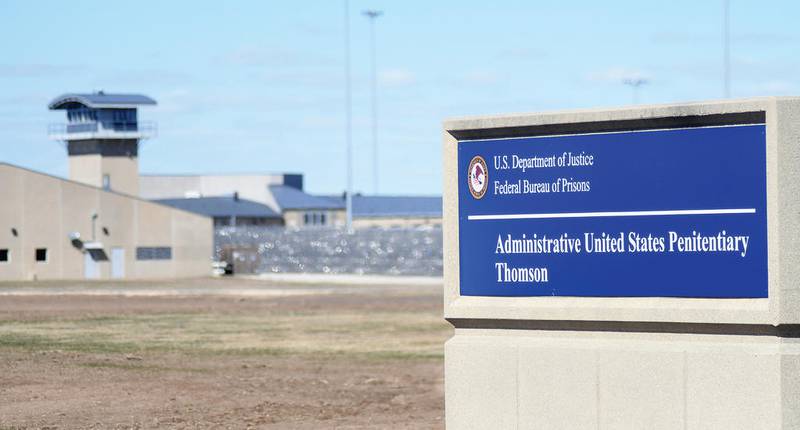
[221, 207]
[291, 198]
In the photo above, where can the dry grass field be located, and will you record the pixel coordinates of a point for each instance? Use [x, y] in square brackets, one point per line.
[220, 354]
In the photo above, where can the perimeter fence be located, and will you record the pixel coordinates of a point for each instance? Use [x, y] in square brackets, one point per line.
[393, 251]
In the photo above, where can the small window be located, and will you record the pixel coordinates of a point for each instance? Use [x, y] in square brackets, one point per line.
[41, 255]
[3, 255]
[106, 182]
[154, 253]
[314, 218]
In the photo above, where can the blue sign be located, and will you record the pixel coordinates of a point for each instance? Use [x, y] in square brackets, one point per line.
[657, 213]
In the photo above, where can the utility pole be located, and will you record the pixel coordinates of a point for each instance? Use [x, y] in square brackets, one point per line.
[348, 119]
[635, 83]
[726, 48]
[373, 15]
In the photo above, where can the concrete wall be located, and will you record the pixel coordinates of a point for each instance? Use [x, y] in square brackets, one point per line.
[124, 174]
[632, 363]
[333, 218]
[86, 169]
[44, 210]
[520, 379]
[249, 187]
[338, 218]
[392, 222]
[123, 171]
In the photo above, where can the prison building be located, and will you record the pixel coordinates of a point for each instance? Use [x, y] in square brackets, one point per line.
[252, 187]
[283, 195]
[300, 209]
[54, 228]
[228, 211]
[396, 211]
[93, 225]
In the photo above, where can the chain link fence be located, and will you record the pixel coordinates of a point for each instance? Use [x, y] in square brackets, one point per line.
[393, 251]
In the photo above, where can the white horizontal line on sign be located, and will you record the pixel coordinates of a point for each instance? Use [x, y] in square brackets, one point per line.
[613, 214]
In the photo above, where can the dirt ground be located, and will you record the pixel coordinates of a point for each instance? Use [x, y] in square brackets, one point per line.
[130, 355]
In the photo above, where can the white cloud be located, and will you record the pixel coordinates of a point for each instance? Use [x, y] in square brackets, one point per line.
[481, 77]
[262, 56]
[396, 77]
[521, 54]
[36, 70]
[775, 87]
[617, 75]
[139, 78]
[681, 38]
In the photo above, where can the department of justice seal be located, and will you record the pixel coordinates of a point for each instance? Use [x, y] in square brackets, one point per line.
[477, 177]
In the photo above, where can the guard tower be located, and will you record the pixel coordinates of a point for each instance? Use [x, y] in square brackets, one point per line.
[102, 137]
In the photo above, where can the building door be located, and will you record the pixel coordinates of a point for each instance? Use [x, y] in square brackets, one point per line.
[91, 268]
[117, 262]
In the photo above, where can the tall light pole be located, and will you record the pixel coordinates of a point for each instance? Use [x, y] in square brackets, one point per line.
[635, 83]
[726, 47]
[372, 15]
[348, 119]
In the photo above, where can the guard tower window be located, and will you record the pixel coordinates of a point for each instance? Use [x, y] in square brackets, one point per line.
[3, 255]
[106, 182]
[41, 255]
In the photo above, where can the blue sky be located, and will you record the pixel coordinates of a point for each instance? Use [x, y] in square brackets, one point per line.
[259, 86]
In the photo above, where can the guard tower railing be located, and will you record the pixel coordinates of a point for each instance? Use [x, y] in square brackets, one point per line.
[102, 130]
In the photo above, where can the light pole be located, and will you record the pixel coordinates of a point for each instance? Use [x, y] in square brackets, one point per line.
[726, 47]
[372, 15]
[348, 120]
[635, 83]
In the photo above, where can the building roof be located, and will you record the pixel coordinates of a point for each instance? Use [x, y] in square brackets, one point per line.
[290, 198]
[100, 100]
[396, 206]
[221, 207]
